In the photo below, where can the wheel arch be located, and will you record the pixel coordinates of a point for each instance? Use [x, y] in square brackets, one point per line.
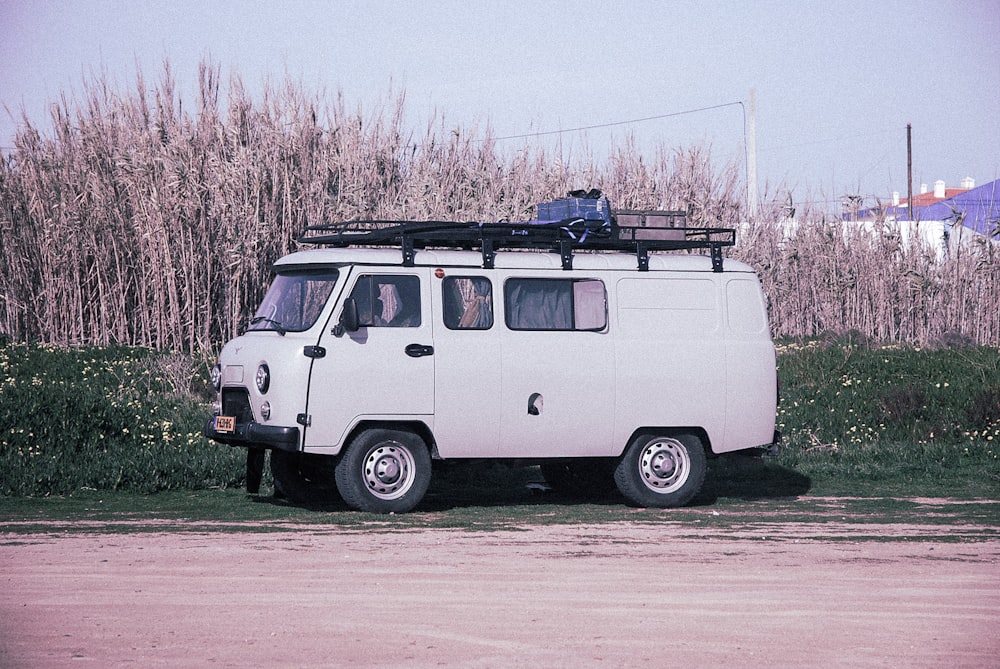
[670, 431]
[418, 427]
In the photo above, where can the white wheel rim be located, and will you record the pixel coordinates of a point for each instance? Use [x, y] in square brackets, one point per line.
[664, 465]
[388, 471]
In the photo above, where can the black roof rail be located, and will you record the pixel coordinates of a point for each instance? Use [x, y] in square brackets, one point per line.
[628, 231]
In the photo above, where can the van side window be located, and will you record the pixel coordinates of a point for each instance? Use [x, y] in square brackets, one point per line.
[468, 302]
[386, 300]
[555, 304]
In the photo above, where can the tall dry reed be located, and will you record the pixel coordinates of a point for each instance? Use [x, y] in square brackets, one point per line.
[142, 220]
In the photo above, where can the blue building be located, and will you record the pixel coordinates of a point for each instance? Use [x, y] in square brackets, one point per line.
[977, 209]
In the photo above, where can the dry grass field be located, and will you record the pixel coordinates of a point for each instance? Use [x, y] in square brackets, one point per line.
[144, 219]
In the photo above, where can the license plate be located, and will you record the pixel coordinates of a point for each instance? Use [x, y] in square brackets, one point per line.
[225, 423]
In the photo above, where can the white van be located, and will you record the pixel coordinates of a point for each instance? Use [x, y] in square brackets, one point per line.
[449, 341]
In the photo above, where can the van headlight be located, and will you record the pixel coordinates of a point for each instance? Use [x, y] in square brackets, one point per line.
[263, 378]
[216, 377]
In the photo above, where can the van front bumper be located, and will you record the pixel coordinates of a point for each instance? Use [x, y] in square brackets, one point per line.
[255, 435]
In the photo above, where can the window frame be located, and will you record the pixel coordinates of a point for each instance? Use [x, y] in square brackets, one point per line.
[510, 308]
[289, 280]
[484, 300]
[373, 279]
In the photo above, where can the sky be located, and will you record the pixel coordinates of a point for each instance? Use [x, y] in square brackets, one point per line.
[834, 83]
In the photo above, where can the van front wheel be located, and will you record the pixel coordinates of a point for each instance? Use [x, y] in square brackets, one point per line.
[384, 471]
[660, 471]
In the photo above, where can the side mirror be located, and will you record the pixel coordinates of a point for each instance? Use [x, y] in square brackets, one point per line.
[348, 318]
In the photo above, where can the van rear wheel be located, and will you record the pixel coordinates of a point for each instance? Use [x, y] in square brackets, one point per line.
[384, 471]
[662, 471]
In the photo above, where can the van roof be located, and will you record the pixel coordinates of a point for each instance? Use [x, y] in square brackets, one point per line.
[505, 260]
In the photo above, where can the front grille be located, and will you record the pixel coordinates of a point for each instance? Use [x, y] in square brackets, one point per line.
[236, 402]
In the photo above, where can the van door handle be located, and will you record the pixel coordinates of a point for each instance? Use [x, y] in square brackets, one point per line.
[419, 350]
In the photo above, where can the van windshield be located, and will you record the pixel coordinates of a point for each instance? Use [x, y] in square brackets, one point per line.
[295, 300]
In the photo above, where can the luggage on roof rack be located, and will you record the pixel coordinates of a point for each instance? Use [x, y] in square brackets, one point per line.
[590, 207]
[591, 226]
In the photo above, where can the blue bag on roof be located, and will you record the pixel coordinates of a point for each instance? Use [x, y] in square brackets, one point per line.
[589, 205]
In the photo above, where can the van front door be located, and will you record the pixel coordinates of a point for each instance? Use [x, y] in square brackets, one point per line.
[384, 370]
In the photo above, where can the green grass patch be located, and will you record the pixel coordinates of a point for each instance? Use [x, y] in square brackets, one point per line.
[859, 421]
[234, 511]
[891, 420]
[105, 419]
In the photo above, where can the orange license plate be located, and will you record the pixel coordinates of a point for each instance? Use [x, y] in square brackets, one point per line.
[225, 423]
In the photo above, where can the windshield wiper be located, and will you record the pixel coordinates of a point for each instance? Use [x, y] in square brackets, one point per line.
[278, 327]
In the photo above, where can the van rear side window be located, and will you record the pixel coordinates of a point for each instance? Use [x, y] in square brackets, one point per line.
[555, 304]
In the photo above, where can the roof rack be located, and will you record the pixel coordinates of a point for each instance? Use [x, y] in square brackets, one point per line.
[629, 231]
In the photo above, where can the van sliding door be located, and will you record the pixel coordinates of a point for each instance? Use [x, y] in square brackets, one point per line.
[467, 371]
[557, 369]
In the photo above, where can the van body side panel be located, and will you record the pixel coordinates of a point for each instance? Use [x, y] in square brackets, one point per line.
[670, 354]
[368, 375]
[751, 390]
[568, 377]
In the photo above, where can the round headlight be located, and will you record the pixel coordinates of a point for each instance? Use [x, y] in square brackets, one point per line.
[263, 378]
[217, 378]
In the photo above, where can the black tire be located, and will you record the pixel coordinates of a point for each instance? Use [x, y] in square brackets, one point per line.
[384, 471]
[303, 478]
[255, 469]
[581, 478]
[662, 471]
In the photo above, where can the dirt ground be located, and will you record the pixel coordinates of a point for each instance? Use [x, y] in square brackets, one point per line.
[803, 594]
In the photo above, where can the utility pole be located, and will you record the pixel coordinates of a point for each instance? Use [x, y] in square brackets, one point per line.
[909, 172]
[752, 155]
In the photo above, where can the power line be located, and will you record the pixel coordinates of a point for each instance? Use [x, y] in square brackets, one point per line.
[827, 140]
[617, 123]
[611, 124]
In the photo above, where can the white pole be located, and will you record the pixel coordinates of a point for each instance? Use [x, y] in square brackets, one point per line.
[752, 155]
